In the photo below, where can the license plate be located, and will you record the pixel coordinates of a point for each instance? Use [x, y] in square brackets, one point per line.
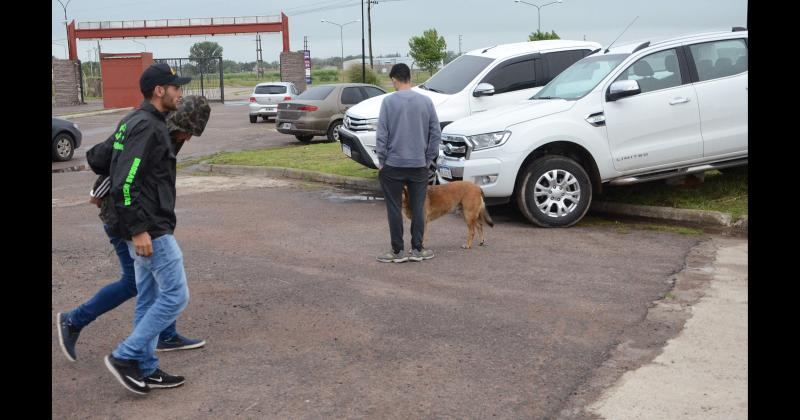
[346, 150]
[445, 172]
[286, 125]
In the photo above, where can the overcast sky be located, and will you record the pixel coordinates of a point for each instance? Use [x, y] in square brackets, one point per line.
[480, 22]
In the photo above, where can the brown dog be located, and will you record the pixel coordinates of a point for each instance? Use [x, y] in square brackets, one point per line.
[445, 198]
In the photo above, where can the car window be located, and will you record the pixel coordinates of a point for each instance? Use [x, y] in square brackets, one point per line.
[316, 93]
[719, 59]
[515, 74]
[655, 71]
[455, 76]
[580, 78]
[559, 61]
[373, 91]
[351, 95]
[270, 90]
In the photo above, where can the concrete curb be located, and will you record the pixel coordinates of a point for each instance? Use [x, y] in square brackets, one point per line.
[74, 168]
[694, 217]
[89, 114]
[347, 181]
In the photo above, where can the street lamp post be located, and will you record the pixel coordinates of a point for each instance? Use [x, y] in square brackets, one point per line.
[66, 30]
[538, 10]
[341, 37]
[140, 43]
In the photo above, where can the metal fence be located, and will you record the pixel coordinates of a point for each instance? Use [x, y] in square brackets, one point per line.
[206, 74]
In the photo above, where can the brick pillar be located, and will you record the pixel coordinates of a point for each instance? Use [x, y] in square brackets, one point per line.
[293, 69]
[67, 82]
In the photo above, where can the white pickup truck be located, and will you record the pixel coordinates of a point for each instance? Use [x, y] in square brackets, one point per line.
[475, 82]
[629, 114]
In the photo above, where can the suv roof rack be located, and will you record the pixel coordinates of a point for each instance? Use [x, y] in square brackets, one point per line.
[738, 29]
[641, 46]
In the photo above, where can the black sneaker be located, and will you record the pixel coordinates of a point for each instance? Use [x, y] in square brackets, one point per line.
[161, 379]
[127, 373]
[67, 336]
[179, 342]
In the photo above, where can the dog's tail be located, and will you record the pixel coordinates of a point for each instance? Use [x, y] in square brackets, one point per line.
[484, 213]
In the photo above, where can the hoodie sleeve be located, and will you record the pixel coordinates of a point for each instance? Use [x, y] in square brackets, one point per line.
[382, 134]
[434, 135]
[127, 177]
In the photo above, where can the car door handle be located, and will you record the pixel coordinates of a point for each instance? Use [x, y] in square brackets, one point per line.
[676, 101]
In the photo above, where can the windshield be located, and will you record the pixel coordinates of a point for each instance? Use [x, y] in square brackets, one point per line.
[316, 93]
[270, 89]
[580, 78]
[455, 76]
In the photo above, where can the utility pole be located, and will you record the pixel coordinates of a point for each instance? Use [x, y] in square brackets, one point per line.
[259, 57]
[363, 57]
[459, 44]
[369, 29]
[89, 60]
[99, 52]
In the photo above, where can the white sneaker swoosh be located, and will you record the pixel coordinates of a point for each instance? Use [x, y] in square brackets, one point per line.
[157, 380]
[139, 383]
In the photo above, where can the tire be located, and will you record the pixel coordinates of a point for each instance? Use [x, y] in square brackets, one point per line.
[265, 118]
[253, 118]
[304, 138]
[565, 211]
[333, 130]
[63, 147]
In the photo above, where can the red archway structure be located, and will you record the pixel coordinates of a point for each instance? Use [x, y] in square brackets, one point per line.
[175, 27]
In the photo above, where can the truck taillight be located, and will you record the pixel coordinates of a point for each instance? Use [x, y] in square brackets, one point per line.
[287, 98]
[252, 99]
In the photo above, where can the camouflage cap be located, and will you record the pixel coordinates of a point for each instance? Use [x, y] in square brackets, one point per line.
[192, 115]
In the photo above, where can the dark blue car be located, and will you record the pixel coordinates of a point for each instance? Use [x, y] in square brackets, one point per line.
[66, 138]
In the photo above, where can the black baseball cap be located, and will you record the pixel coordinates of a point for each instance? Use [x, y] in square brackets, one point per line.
[160, 74]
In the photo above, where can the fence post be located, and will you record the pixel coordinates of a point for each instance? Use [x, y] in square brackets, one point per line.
[221, 82]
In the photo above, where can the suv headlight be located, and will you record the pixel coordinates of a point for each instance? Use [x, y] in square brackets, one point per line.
[485, 141]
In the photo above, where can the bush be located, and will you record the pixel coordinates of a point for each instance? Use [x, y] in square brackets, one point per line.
[324, 75]
[354, 75]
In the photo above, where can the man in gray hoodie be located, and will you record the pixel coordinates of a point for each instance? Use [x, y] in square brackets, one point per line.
[407, 143]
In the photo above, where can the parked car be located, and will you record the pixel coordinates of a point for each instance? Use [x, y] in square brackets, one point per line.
[475, 82]
[622, 115]
[66, 138]
[266, 96]
[319, 110]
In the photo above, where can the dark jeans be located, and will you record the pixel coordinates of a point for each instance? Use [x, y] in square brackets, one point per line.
[114, 294]
[392, 181]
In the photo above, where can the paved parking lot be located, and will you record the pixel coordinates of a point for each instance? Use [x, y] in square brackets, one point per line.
[302, 322]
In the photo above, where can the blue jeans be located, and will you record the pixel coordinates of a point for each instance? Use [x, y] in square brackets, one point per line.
[114, 294]
[163, 294]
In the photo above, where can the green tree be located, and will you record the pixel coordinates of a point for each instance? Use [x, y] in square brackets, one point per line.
[202, 51]
[541, 36]
[450, 56]
[428, 50]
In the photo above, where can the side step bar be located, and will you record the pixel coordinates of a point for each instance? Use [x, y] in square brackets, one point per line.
[677, 172]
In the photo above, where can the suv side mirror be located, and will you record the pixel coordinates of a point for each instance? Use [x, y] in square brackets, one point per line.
[483, 89]
[623, 89]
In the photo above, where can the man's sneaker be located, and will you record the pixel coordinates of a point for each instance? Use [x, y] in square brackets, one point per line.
[423, 254]
[179, 342]
[67, 336]
[397, 257]
[127, 373]
[161, 379]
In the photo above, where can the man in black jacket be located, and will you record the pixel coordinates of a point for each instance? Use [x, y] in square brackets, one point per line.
[190, 119]
[142, 175]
